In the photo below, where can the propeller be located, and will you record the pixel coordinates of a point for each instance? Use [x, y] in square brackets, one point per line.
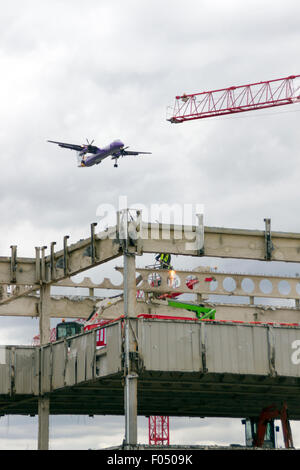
[124, 148]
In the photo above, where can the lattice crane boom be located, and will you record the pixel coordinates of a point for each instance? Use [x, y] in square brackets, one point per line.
[236, 99]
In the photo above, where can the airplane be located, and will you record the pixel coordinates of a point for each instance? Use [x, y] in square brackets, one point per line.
[89, 155]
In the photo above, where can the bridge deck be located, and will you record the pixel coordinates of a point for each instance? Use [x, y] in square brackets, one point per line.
[185, 369]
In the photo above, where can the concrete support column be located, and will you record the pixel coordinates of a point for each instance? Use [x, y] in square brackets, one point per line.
[130, 396]
[131, 376]
[43, 433]
[44, 311]
[129, 285]
[44, 402]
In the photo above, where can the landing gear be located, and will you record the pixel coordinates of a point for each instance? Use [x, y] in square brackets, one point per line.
[116, 165]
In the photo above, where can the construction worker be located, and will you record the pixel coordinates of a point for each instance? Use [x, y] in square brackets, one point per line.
[165, 260]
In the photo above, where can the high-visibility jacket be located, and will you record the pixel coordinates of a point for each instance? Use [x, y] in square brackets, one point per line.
[165, 258]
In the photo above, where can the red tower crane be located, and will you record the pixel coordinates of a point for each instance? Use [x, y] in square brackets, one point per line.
[159, 430]
[236, 99]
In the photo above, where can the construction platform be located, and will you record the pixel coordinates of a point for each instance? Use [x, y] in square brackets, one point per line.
[184, 368]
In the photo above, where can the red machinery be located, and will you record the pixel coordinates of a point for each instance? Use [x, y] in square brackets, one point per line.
[236, 99]
[267, 415]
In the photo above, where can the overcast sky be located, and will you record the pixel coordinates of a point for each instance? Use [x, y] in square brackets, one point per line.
[108, 69]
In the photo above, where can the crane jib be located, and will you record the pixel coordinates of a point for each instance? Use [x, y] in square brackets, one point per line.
[236, 99]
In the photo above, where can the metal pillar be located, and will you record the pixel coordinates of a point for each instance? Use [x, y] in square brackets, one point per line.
[131, 376]
[44, 402]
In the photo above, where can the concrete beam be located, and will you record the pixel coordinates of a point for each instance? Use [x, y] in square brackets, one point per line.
[222, 242]
[81, 307]
[151, 238]
[59, 306]
[25, 270]
[11, 292]
[212, 283]
[239, 312]
[62, 264]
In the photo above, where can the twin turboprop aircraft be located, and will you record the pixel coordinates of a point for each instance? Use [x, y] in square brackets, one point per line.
[89, 155]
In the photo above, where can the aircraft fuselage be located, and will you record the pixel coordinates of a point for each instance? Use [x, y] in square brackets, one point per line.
[110, 149]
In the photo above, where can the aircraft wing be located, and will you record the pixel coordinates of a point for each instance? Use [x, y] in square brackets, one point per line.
[131, 152]
[92, 148]
[68, 146]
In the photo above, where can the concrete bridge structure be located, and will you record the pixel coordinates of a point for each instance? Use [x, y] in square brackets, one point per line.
[165, 367]
[183, 367]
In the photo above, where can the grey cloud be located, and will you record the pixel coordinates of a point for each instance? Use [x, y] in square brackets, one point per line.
[109, 70]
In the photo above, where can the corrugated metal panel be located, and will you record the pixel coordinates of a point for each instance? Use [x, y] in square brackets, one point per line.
[170, 346]
[180, 346]
[164, 346]
[90, 356]
[79, 359]
[108, 360]
[70, 373]
[59, 351]
[5, 377]
[287, 351]
[77, 348]
[113, 348]
[237, 349]
[26, 379]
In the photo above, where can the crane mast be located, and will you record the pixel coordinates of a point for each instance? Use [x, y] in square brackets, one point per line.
[159, 430]
[236, 99]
